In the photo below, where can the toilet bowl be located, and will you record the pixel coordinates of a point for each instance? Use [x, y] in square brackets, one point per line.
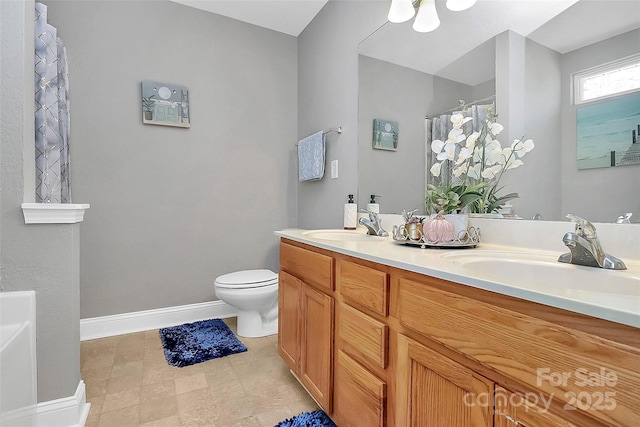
[255, 294]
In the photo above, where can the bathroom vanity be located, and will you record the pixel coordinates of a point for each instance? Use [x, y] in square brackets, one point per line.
[382, 334]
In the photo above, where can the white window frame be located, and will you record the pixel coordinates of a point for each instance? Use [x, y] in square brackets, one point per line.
[580, 77]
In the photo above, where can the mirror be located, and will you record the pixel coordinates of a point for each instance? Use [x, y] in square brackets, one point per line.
[405, 76]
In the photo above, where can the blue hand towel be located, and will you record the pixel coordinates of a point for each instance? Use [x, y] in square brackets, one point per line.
[311, 157]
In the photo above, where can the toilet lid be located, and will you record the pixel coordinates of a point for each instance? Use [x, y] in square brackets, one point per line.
[247, 279]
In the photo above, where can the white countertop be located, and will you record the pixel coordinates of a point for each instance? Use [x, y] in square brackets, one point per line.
[605, 294]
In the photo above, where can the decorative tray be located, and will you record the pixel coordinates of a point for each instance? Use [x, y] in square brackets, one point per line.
[468, 238]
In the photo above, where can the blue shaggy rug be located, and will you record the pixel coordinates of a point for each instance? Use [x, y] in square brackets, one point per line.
[308, 419]
[197, 342]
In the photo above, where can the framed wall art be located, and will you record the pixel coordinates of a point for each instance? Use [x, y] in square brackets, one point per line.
[385, 135]
[607, 132]
[165, 104]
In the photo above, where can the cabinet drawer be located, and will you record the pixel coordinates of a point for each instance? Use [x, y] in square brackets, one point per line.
[360, 397]
[562, 362]
[362, 337]
[313, 268]
[364, 286]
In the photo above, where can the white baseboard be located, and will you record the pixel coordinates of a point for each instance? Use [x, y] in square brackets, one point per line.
[125, 323]
[69, 411]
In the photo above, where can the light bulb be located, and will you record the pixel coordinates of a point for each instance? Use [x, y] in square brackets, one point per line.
[458, 5]
[400, 11]
[427, 18]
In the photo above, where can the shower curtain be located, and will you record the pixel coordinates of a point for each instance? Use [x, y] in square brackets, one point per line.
[438, 127]
[51, 113]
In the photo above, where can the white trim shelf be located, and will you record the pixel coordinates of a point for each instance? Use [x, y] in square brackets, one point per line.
[53, 213]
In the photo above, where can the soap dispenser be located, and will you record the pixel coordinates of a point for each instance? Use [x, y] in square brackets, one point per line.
[373, 206]
[350, 214]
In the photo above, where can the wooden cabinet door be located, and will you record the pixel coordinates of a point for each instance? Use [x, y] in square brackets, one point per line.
[317, 345]
[289, 293]
[513, 410]
[433, 390]
[359, 396]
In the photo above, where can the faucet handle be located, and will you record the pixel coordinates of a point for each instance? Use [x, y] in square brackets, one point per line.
[373, 216]
[584, 228]
[624, 219]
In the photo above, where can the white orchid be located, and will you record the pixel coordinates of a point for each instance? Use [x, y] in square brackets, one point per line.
[522, 147]
[513, 163]
[479, 161]
[471, 140]
[492, 171]
[436, 145]
[495, 128]
[435, 169]
[459, 120]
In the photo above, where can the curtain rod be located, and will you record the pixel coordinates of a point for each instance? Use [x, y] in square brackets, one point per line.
[463, 105]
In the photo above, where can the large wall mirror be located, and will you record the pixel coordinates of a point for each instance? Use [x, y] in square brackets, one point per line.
[524, 53]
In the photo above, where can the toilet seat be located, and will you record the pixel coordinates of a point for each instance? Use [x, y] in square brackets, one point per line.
[247, 279]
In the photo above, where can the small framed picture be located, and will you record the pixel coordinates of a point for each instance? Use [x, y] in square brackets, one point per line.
[385, 135]
[165, 104]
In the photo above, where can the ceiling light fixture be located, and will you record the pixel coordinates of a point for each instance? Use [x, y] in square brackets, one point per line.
[401, 11]
[458, 5]
[427, 17]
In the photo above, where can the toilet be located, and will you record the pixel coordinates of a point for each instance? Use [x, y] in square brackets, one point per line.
[255, 294]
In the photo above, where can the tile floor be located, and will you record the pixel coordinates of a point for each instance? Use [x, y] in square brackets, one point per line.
[129, 383]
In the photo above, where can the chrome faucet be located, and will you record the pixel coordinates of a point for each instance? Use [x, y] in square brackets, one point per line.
[624, 218]
[373, 224]
[586, 249]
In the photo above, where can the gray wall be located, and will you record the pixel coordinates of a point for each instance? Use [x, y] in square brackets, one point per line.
[42, 257]
[173, 208]
[598, 194]
[328, 97]
[391, 92]
[528, 105]
[540, 176]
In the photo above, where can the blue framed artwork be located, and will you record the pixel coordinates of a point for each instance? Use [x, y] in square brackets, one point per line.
[608, 133]
[385, 135]
[165, 104]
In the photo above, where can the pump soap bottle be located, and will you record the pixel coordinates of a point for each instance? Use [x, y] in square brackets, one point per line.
[373, 206]
[350, 214]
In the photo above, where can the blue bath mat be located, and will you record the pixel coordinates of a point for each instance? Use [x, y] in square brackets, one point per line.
[197, 342]
[308, 419]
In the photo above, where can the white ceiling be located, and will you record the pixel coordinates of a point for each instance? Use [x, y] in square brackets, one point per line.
[286, 16]
[562, 25]
[450, 51]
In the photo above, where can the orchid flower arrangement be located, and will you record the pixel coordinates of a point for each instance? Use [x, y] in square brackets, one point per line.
[477, 162]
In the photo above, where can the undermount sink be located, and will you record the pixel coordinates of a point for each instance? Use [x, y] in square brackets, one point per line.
[342, 235]
[540, 272]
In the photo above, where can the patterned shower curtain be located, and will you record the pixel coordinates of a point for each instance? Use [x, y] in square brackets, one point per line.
[51, 113]
[438, 127]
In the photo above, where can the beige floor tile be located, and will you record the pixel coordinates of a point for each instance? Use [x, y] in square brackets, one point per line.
[230, 411]
[99, 360]
[127, 368]
[273, 416]
[95, 386]
[122, 383]
[153, 373]
[125, 417]
[157, 390]
[251, 421]
[190, 383]
[130, 383]
[172, 421]
[129, 355]
[228, 391]
[121, 399]
[153, 410]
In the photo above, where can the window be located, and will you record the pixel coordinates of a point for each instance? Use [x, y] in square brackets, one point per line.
[607, 80]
